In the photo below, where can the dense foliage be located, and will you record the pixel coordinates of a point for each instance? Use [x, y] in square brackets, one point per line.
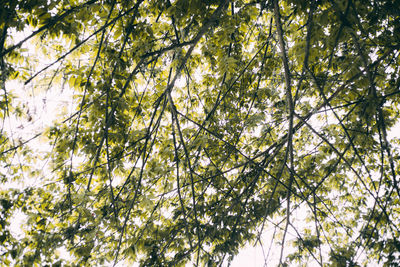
[195, 125]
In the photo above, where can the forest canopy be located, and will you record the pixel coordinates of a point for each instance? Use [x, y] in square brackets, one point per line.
[176, 132]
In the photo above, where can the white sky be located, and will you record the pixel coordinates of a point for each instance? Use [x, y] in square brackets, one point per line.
[44, 107]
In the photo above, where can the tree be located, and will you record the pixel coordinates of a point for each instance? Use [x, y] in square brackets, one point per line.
[196, 125]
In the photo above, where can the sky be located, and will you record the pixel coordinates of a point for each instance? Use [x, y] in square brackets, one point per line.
[44, 106]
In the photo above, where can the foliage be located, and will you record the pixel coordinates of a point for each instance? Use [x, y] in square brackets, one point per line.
[196, 125]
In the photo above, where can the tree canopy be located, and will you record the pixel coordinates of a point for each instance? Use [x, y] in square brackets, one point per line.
[193, 126]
